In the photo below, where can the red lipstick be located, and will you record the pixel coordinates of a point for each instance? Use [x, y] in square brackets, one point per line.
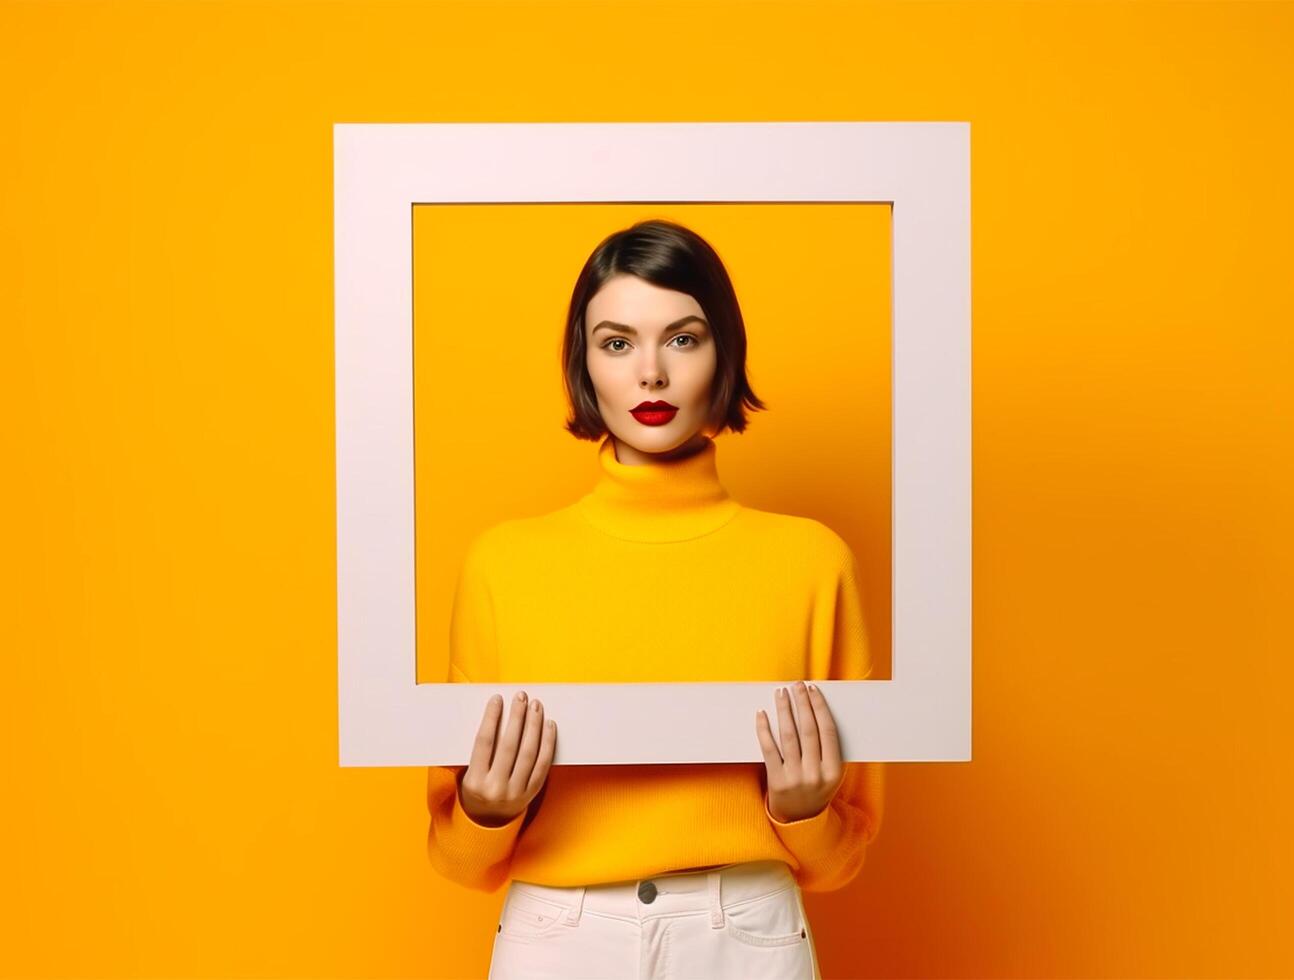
[654, 413]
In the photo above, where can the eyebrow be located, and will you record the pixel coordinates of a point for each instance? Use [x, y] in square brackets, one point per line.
[612, 325]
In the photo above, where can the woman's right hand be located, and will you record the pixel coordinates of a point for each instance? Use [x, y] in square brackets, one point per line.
[507, 771]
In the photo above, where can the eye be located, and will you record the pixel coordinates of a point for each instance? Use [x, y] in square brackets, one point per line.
[620, 340]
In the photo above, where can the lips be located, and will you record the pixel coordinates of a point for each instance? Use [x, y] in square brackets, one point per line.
[654, 413]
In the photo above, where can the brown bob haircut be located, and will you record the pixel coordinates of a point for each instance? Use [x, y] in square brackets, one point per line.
[672, 257]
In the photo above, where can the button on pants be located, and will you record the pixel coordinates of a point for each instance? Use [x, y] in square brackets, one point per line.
[743, 921]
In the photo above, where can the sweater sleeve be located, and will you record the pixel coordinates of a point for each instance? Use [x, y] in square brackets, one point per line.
[830, 846]
[459, 848]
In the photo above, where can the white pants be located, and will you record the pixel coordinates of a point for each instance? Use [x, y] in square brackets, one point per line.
[742, 921]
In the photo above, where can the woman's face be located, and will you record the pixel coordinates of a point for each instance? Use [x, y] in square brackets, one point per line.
[649, 344]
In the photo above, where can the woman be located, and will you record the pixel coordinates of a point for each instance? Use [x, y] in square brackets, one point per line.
[656, 575]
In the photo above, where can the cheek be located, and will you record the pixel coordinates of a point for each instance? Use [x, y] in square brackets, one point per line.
[608, 377]
[700, 378]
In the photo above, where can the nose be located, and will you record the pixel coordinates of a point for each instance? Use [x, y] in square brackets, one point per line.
[652, 376]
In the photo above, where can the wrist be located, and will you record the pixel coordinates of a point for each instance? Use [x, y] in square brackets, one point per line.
[779, 816]
[483, 818]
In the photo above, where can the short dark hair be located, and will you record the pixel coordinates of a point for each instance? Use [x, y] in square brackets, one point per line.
[672, 257]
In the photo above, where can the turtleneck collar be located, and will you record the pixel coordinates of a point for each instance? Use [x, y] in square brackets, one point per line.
[668, 501]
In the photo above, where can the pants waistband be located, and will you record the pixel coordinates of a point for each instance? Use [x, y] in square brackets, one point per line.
[671, 893]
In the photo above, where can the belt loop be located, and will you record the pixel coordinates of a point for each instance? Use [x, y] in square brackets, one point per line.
[577, 906]
[716, 903]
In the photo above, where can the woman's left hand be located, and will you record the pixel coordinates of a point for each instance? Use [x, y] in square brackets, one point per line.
[805, 773]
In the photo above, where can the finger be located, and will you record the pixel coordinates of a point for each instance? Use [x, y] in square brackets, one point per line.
[832, 764]
[547, 749]
[810, 750]
[505, 755]
[483, 744]
[525, 763]
[786, 728]
[772, 755]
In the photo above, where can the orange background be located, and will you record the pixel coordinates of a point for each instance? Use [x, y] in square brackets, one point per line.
[173, 803]
[491, 288]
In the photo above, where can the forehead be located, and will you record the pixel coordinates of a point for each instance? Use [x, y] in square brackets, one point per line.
[638, 303]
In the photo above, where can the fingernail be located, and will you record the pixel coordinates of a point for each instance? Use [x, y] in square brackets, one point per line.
[521, 695]
[534, 705]
[812, 687]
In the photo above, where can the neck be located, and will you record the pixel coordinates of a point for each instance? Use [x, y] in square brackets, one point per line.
[632, 456]
[667, 499]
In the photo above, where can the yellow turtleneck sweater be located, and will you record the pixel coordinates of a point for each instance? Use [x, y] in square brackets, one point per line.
[656, 575]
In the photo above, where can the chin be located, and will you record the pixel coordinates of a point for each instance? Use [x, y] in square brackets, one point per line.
[659, 439]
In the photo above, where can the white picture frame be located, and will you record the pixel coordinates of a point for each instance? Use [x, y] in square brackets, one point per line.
[922, 169]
